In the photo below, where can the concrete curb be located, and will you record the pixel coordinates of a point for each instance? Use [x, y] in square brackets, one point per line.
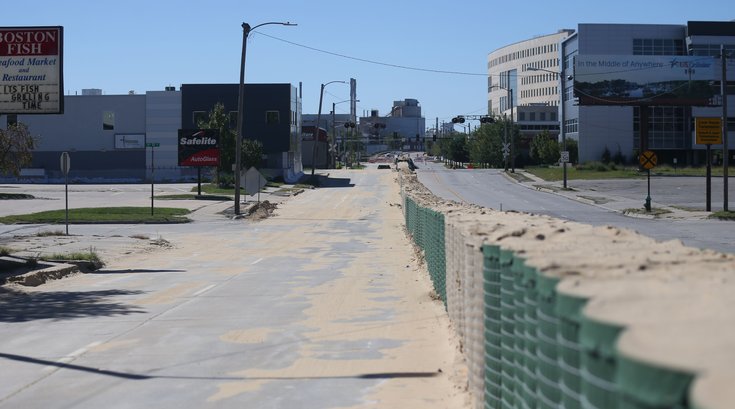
[38, 277]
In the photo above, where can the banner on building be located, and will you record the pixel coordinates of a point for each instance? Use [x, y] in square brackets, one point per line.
[198, 147]
[646, 80]
[31, 70]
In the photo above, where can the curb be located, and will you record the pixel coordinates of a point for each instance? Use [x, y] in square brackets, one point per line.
[38, 277]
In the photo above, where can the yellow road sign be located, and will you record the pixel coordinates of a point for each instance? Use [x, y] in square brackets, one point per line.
[648, 160]
[708, 131]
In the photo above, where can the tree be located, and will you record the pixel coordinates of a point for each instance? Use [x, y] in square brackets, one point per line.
[16, 146]
[458, 149]
[544, 149]
[573, 148]
[487, 145]
[252, 153]
[219, 120]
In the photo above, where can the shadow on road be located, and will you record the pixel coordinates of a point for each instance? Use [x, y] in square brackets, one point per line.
[136, 376]
[19, 306]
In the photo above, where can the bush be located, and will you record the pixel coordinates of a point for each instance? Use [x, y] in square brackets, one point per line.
[606, 156]
[593, 165]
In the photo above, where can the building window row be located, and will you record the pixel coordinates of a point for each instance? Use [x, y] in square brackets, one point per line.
[542, 117]
[550, 127]
[539, 92]
[658, 46]
[528, 52]
[710, 50]
[666, 127]
[535, 79]
[571, 126]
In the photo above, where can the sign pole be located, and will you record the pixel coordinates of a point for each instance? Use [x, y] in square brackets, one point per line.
[648, 198]
[152, 178]
[709, 178]
[199, 181]
[65, 165]
[725, 150]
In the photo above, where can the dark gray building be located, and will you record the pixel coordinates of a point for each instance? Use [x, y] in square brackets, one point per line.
[272, 115]
[106, 135]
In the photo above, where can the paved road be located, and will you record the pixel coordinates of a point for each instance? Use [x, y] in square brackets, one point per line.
[492, 189]
[323, 306]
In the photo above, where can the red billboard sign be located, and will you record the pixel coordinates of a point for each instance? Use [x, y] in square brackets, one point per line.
[31, 70]
[198, 147]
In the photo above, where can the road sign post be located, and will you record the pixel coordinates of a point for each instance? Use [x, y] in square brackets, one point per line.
[648, 161]
[152, 145]
[65, 166]
[708, 131]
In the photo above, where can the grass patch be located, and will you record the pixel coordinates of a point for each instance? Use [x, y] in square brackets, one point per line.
[49, 233]
[189, 196]
[103, 215]
[15, 196]
[655, 211]
[213, 189]
[90, 256]
[585, 173]
[722, 215]
[5, 251]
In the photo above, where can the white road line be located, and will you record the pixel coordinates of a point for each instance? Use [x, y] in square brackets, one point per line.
[256, 261]
[203, 290]
[68, 358]
[340, 202]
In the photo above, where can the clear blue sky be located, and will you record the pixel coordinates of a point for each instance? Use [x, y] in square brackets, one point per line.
[137, 45]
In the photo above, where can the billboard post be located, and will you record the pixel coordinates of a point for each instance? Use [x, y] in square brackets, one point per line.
[199, 147]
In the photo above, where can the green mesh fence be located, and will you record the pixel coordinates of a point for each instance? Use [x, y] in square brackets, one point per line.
[647, 386]
[598, 364]
[507, 331]
[493, 323]
[548, 372]
[540, 350]
[426, 227]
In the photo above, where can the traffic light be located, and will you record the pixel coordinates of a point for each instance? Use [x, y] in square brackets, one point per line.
[379, 126]
[349, 124]
[487, 120]
[458, 119]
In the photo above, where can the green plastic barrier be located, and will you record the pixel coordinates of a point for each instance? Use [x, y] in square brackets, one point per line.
[598, 363]
[507, 318]
[493, 324]
[548, 373]
[569, 311]
[519, 331]
[530, 301]
[646, 386]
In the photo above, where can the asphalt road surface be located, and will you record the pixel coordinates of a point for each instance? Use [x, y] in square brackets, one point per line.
[322, 306]
[490, 188]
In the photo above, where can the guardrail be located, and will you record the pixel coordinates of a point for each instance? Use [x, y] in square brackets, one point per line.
[556, 314]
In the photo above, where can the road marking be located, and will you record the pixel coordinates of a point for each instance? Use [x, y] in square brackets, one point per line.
[203, 290]
[340, 202]
[68, 358]
[256, 261]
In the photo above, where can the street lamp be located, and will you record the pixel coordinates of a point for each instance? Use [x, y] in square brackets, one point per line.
[512, 151]
[246, 29]
[316, 130]
[562, 92]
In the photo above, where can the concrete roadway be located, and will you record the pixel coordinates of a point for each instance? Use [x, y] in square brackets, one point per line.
[594, 202]
[323, 306]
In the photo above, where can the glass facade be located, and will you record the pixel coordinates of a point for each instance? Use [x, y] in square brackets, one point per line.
[666, 127]
[658, 46]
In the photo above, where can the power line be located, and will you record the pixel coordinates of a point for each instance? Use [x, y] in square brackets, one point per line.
[404, 67]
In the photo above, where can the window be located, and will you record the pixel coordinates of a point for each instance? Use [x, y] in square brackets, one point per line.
[521, 116]
[542, 116]
[198, 117]
[531, 116]
[108, 121]
[272, 117]
[658, 46]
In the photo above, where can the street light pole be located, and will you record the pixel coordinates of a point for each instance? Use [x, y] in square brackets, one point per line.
[246, 30]
[562, 112]
[318, 119]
